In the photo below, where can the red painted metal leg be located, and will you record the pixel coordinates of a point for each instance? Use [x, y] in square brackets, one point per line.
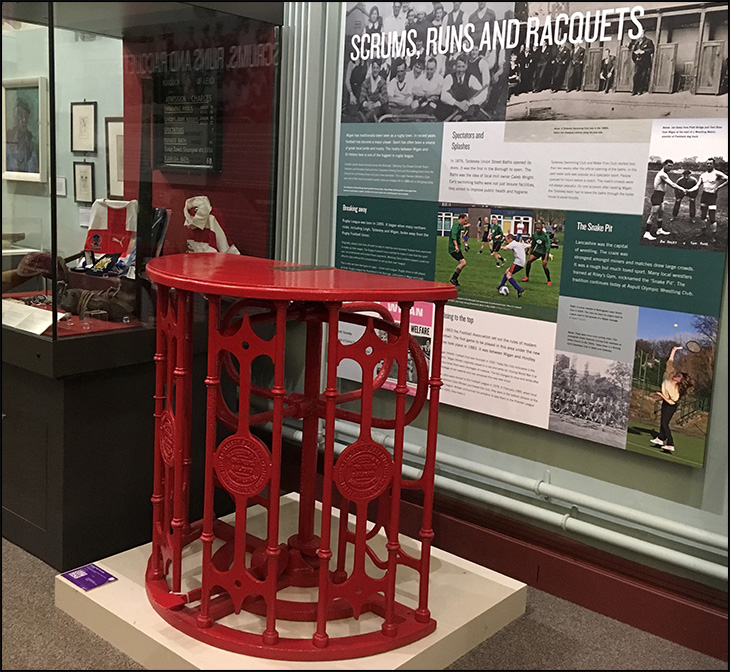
[340, 573]
[212, 382]
[271, 636]
[427, 479]
[305, 541]
[186, 399]
[172, 448]
[389, 626]
[157, 479]
[324, 553]
[182, 390]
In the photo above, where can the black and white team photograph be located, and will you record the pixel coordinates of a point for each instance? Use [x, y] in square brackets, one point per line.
[590, 398]
[418, 62]
[624, 65]
[686, 204]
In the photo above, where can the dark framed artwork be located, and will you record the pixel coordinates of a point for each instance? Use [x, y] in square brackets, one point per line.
[83, 127]
[114, 137]
[84, 187]
[188, 122]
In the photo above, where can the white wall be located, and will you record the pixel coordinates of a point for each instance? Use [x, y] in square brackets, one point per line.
[26, 206]
[85, 71]
[88, 70]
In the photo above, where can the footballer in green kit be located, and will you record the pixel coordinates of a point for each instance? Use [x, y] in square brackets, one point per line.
[539, 249]
[497, 240]
[457, 232]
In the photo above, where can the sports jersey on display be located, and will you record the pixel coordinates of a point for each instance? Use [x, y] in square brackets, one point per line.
[112, 229]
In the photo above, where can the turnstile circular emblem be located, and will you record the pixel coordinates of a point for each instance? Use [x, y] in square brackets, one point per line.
[363, 471]
[243, 465]
[167, 438]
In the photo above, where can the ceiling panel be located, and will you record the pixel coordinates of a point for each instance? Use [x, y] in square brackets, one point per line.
[114, 18]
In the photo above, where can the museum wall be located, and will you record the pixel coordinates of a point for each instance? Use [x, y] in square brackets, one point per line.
[696, 497]
[25, 55]
[88, 68]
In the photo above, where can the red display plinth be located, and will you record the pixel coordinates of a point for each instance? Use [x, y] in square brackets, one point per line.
[249, 299]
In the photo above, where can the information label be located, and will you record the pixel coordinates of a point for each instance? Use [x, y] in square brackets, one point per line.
[89, 576]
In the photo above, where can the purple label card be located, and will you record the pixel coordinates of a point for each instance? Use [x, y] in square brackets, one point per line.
[88, 577]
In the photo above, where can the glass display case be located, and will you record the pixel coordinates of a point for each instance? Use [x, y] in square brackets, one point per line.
[131, 130]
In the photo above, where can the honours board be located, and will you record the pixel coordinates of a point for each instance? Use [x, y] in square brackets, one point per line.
[188, 129]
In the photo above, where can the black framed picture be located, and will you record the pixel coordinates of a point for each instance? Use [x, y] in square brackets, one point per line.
[188, 127]
[84, 187]
[83, 127]
[114, 129]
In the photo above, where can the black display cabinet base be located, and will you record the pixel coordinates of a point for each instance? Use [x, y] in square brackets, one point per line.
[77, 444]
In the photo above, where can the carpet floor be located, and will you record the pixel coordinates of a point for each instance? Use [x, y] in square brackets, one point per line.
[552, 634]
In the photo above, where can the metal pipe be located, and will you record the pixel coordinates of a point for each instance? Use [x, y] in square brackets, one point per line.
[569, 521]
[541, 487]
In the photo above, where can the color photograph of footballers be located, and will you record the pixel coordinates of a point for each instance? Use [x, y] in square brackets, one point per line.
[465, 237]
[540, 246]
[671, 385]
[502, 261]
[590, 398]
[485, 235]
[457, 246]
[497, 239]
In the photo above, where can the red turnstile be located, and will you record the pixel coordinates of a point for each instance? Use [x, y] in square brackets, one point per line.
[248, 300]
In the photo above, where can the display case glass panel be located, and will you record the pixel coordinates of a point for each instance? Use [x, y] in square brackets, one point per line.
[147, 129]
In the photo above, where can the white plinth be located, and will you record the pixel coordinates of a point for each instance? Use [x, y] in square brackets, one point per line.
[468, 602]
